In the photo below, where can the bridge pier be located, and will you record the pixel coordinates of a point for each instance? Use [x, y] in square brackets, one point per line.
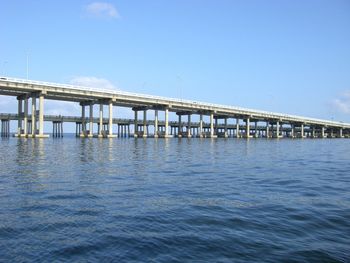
[237, 128]
[78, 129]
[136, 127]
[110, 120]
[83, 121]
[200, 132]
[329, 133]
[166, 133]
[179, 129]
[5, 128]
[302, 132]
[256, 129]
[341, 133]
[313, 132]
[277, 134]
[100, 124]
[225, 128]
[156, 131]
[247, 128]
[91, 121]
[292, 132]
[145, 126]
[25, 132]
[189, 133]
[123, 130]
[21, 131]
[267, 130]
[180, 125]
[278, 130]
[57, 129]
[212, 131]
[33, 126]
[143, 132]
[29, 128]
[20, 113]
[41, 117]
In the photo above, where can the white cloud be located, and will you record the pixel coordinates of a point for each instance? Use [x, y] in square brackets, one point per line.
[64, 108]
[93, 82]
[102, 10]
[342, 104]
[8, 104]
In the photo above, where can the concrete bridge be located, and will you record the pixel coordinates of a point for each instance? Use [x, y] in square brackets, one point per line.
[248, 123]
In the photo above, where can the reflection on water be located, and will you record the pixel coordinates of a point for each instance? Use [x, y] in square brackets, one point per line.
[75, 199]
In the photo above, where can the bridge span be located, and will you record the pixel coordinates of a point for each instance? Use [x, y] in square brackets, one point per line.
[248, 123]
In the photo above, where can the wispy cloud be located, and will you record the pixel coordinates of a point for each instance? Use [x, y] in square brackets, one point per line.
[93, 82]
[63, 108]
[8, 104]
[342, 104]
[102, 10]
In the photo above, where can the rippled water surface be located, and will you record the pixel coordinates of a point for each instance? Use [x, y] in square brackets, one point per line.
[125, 200]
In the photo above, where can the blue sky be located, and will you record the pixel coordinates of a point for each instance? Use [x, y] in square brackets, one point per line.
[284, 56]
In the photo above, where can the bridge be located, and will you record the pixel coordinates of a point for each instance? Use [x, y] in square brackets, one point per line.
[248, 122]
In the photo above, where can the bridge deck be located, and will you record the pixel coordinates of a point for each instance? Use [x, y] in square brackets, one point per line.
[277, 124]
[54, 91]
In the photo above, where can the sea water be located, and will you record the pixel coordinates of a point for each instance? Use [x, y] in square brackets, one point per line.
[174, 200]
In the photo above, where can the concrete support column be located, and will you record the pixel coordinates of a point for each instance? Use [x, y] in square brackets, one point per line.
[156, 124]
[77, 129]
[201, 125]
[136, 128]
[110, 119]
[313, 132]
[25, 120]
[41, 115]
[189, 126]
[100, 126]
[19, 126]
[267, 130]
[323, 132]
[247, 129]
[83, 122]
[341, 133]
[91, 117]
[145, 123]
[237, 128]
[225, 128]
[281, 134]
[33, 131]
[302, 131]
[5, 128]
[54, 129]
[166, 122]
[292, 133]
[256, 130]
[211, 125]
[179, 129]
[278, 129]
